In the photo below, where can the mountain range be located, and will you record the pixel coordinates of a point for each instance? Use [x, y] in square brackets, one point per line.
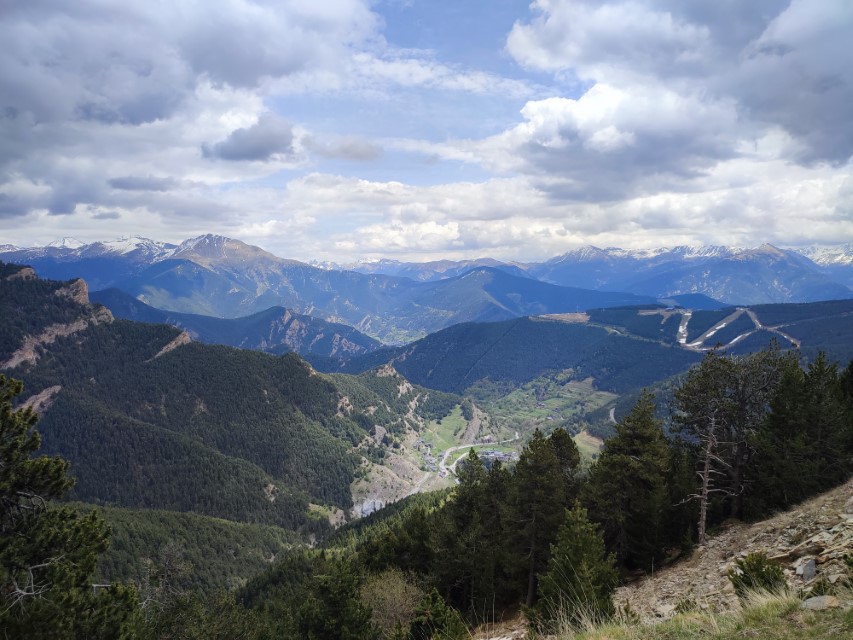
[396, 302]
[226, 278]
[274, 330]
[735, 276]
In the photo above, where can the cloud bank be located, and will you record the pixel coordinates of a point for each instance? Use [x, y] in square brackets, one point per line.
[302, 127]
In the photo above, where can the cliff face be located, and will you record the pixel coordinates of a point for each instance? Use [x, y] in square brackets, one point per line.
[76, 290]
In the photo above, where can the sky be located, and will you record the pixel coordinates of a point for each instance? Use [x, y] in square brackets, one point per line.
[421, 129]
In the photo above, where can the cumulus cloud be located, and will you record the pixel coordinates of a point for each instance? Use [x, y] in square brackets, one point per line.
[106, 215]
[270, 136]
[618, 122]
[775, 62]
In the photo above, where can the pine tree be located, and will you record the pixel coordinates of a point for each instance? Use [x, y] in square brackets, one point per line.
[569, 459]
[537, 506]
[579, 583]
[626, 491]
[434, 620]
[718, 408]
[458, 537]
[333, 607]
[48, 554]
[827, 420]
[784, 470]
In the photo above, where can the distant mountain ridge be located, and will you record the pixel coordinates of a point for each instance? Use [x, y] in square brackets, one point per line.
[399, 301]
[226, 278]
[733, 275]
[276, 330]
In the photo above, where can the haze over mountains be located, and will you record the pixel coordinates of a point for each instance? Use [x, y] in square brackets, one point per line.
[398, 301]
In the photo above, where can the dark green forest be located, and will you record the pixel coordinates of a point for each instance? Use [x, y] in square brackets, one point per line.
[213, 430]
[229, 449]
[773, 432]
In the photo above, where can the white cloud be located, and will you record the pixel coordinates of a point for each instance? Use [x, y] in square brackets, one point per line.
[666, 122]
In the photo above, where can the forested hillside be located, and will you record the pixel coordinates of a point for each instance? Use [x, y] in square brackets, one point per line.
[516, 351]
[149, 419]
[749, 435]
[274, 330]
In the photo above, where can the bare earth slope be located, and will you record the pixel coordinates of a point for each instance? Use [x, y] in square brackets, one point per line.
[819, 530]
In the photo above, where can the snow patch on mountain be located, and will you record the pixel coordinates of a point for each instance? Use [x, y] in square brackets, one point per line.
[841, 254]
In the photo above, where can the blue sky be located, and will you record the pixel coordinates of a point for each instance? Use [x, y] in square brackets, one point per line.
[349, 129]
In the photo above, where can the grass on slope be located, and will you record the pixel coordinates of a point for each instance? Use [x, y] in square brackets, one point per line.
[546, 403]
[447, 432]
[765, 617]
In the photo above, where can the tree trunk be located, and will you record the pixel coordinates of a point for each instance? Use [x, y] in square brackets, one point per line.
[531, 575]
[706, 489]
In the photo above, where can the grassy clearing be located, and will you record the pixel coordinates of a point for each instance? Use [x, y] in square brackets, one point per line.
[588, 445]
[547, 403]
[447, 432]
[548, 398]
[764, 617]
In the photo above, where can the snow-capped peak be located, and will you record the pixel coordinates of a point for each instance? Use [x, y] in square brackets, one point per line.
[131, 243]
[841, 254]
[66, 243]
[206, 242]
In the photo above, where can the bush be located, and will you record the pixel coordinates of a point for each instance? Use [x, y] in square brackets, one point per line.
[756, 572]
[394, 597]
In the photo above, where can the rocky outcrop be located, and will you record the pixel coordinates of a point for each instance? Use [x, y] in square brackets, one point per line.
[182, 339]
[30, 350]
[77, 290]
[26, 273]
[42, 401]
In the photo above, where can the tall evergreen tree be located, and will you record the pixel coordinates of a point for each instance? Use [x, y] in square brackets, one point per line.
[784, 469]
[569, 459]
[581, 576]
[804, 444]
[458, 536]
[626, 491]
[828, 422]
[48, 553]
[537, 506]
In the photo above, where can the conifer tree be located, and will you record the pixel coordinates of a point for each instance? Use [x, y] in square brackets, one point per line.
[718, 408]
[537, 506]
[803, 446]
[784, 470]
[48, 553]
[569, 459]
[626, 491]
[458, 537]
[581, 576]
